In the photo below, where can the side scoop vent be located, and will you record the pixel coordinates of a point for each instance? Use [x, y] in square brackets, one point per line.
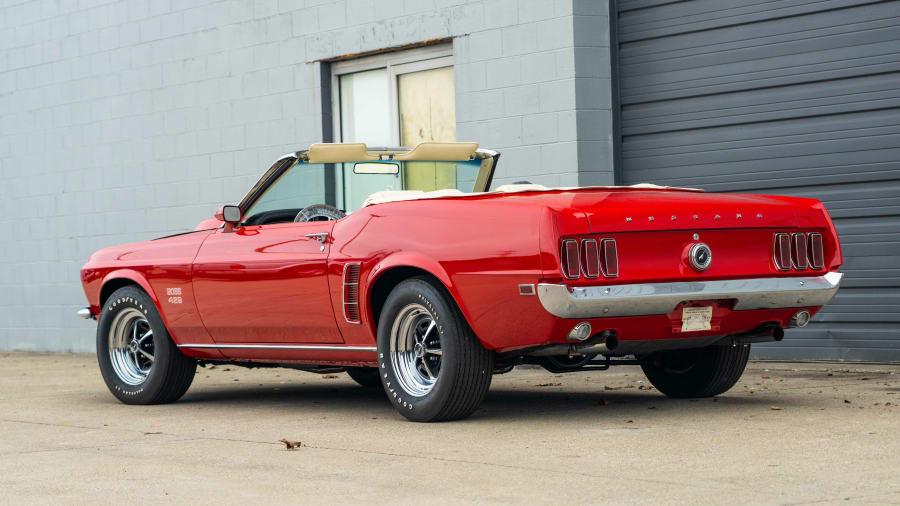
[351, 292]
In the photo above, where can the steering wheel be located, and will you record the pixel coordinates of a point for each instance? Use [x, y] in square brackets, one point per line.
[319, 212]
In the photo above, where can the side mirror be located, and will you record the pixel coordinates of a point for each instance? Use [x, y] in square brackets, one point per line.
[376, 168]
[231, 215]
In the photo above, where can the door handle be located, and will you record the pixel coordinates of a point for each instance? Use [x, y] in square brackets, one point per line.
[322, 237]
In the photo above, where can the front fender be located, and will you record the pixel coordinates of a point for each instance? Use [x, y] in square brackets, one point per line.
[138, 279]
[132, 275]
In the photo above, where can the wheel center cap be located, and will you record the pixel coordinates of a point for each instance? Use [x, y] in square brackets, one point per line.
[133, 346]
[419, 348]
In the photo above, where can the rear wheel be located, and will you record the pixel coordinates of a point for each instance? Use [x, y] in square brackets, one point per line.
[431, 364]
[365, 376]
[698, 372]
[138, 360]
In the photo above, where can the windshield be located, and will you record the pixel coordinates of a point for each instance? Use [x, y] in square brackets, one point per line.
[304, 184]
[420, 175]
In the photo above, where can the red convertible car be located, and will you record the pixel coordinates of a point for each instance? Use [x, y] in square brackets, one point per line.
[431, 283]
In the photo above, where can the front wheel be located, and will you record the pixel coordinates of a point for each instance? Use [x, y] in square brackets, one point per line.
[138, 360]
[697, 372]
[431, 364]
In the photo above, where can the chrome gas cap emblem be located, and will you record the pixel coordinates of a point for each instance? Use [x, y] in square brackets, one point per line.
[700, 256]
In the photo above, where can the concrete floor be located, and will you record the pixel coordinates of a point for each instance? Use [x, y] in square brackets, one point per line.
[786, 434]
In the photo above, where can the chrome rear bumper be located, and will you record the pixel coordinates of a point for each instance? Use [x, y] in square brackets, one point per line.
[662, 298]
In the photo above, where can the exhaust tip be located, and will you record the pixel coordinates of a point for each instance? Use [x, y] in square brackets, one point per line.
[611, 342]
[778, 333]
[800, 319]
[580, 332]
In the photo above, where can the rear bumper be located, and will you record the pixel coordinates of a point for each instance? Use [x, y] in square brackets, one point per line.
[662, 298]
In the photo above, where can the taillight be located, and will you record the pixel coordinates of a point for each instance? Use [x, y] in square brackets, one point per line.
[571, 264]
[610, 258]
[799, 250]
[799, 255]
[782, 252]
[590, 258]
[816, 251]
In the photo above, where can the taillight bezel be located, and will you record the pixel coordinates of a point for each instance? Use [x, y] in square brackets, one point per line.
[798, 262]
[782, 262]
[607, 247]
[587, 262]
[813, 239]
[565, 260]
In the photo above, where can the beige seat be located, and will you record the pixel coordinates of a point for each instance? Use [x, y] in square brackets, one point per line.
[397, 195]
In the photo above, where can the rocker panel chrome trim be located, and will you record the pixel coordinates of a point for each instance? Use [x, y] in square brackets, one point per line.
[662, 298]
[282, 347]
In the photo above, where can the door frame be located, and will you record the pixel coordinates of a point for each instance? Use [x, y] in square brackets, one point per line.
[396, 63]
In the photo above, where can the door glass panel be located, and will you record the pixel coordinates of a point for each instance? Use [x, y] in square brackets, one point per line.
[427, 104]
[365, 117]
[300, 186]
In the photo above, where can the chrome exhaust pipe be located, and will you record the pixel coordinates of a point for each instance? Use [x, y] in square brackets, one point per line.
[800, 319]
[765, 334]
[606, 345]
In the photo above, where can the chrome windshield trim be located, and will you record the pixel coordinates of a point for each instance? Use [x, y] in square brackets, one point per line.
[282, 347]
[662, 298]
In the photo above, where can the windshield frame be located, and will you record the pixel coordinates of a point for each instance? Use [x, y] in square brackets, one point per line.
[488, 159]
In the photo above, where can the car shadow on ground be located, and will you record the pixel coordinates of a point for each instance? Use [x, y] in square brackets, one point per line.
[505, 403]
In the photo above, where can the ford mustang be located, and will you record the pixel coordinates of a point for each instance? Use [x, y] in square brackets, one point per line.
[405, 269]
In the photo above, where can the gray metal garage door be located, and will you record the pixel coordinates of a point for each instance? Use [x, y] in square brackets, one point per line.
[795, 97]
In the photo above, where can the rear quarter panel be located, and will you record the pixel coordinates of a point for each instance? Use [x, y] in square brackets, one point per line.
[481, 250]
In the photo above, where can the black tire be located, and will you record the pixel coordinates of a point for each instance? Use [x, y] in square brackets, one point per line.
[465, 366]
[698, 372]
[171, 372]
[365, 376]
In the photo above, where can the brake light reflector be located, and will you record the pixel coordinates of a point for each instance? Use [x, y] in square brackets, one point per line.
[590, 258]
[782, 254]
[816, 251]
[799, 255]
[610, 258]
[571, 264]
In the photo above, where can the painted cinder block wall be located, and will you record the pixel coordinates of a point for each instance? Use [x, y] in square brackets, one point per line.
[126, 120]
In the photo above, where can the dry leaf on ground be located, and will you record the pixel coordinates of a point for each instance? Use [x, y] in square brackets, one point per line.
[291, 445]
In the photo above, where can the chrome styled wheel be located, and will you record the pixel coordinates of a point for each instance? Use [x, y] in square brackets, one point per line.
[415, 350]
[131, 346]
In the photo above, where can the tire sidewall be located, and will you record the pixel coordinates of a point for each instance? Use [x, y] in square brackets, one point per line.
[145, 392]
[418, 291]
